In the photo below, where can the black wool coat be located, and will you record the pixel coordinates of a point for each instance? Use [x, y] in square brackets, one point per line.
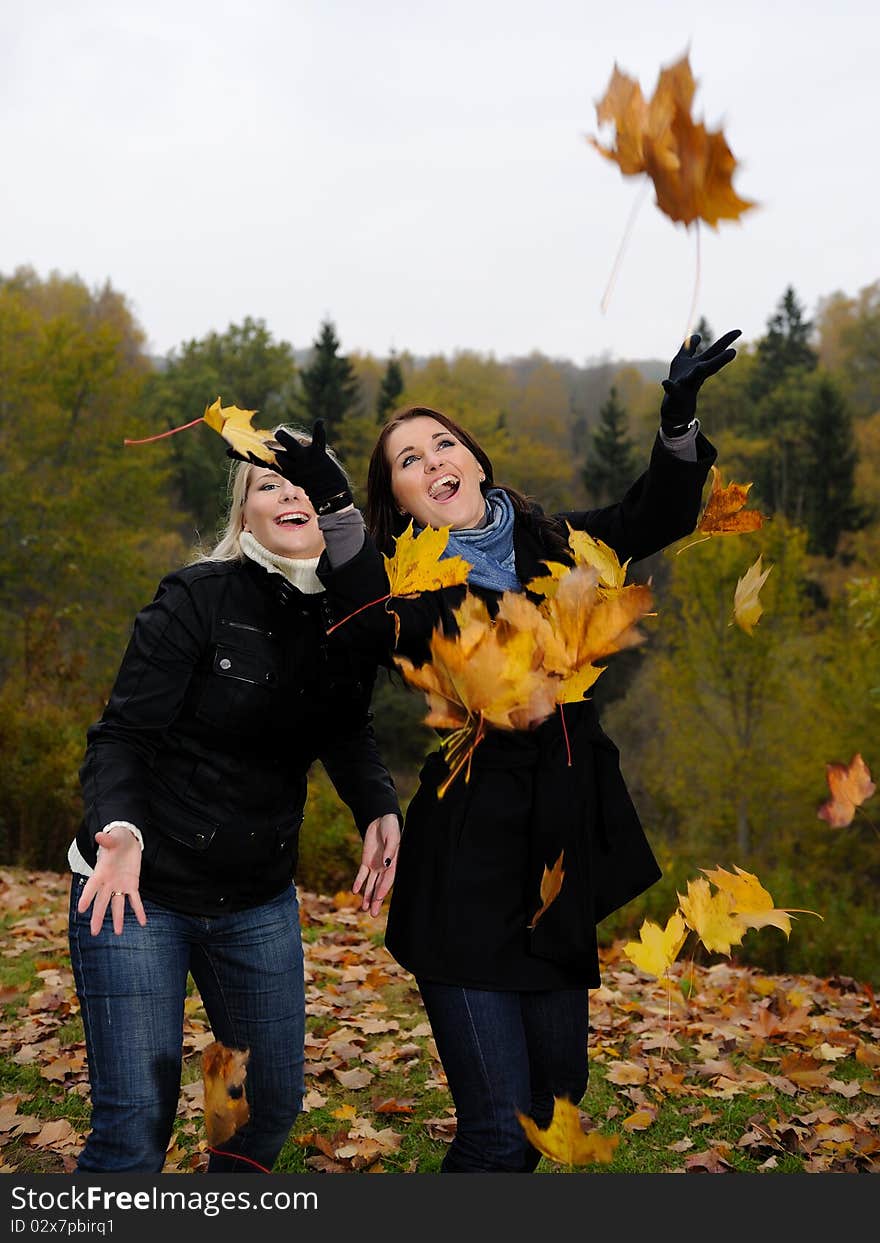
[228, 691]
[470, 863]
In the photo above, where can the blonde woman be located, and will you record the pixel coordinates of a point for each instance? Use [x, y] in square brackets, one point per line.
[194, 784]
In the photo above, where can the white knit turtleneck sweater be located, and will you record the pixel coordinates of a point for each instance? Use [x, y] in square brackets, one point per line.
[299, 572]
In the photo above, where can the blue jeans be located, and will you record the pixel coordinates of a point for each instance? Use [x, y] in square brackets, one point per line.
[248, 968]
[503, 1053]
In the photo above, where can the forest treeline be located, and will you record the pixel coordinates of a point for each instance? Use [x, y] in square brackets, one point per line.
[724, 736]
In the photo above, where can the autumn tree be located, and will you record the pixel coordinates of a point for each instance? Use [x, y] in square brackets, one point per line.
[390, 389]
[89, 528]
[716, 717]
[246, 367]
[611, 463]
[849, 345]
[329, 388]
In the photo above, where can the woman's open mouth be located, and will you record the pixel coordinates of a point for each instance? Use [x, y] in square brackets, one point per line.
[444, 489]
[295, 518]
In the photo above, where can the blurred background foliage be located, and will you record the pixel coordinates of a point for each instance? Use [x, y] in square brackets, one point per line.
[724, 736]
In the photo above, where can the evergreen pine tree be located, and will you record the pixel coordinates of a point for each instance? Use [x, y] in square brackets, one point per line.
[390, 389]
[830, 505]
[786, 346]
[329, 385]
[611, 466]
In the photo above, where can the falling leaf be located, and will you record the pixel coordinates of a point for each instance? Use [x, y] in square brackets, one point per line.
[551, 884]
[724, 512]
[747, 608]
[711, 917]
[234, 425]
[657, 948]
[850, 785]
[751, 902]
[565, 1141]
[226, 1107]
[691, 167]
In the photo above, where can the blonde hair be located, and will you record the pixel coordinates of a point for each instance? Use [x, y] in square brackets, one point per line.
[238, 483]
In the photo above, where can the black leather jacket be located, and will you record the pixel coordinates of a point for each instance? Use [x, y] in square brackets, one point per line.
[228, 691]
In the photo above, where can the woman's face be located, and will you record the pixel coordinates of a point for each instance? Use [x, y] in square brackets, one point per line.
[434, 477]
[281, 517]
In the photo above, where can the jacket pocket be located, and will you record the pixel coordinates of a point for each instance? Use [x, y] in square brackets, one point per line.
[241, 690]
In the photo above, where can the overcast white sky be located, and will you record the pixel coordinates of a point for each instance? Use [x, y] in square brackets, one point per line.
[418, 171]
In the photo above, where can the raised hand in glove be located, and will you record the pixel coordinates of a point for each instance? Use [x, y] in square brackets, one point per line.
[687, 371]
[311, 468]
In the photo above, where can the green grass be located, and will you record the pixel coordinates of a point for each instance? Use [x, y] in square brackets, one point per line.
[352, 978]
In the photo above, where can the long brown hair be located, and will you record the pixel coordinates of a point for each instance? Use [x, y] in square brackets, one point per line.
[383, 518]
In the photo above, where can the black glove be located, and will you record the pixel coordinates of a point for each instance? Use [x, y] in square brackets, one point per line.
[687, 371]
[311, 468]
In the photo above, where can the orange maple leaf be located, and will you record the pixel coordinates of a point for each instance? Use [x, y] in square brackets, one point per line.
[691, 167]
[551, 885]
[226, 1107]
[724, 514]
[484, 675]
[850, 785]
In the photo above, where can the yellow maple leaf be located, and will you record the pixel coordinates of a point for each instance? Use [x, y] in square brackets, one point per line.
[751, 902]
[711, 917]
[416, 565]
[226, 1107]
[849, 784]
[586, 551]
[747, 608]
[595, 552]
[565, 1141]
[235, 426]
[657, 948]
[551, 884]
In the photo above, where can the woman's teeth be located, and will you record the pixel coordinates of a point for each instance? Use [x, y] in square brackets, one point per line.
[443, 489]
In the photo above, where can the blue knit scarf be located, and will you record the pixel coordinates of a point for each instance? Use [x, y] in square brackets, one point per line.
[489, 549]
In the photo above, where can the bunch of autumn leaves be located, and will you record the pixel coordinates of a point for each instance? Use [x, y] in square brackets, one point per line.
[538, 652]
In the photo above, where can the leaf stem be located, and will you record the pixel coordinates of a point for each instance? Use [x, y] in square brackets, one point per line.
[237, 1156]
[565, 734]
[378, 600]
[161, 436]
[606, 297]
[693, 544]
